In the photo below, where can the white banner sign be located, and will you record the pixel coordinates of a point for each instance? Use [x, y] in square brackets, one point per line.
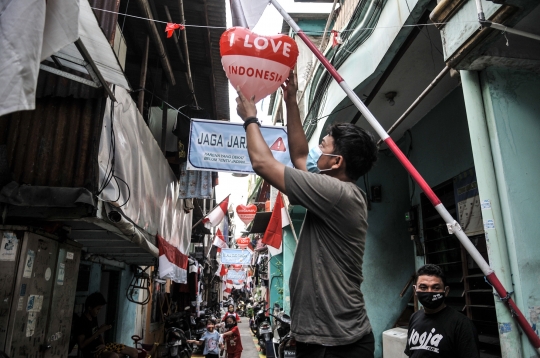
[235, 256]
[222, 146]
[236, 275]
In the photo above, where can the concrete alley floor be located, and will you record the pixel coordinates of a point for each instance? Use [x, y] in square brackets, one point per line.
[248, 341]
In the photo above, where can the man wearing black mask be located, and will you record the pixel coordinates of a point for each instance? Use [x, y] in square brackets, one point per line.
[438, 330]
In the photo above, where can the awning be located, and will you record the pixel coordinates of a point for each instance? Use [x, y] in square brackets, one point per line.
[260, 222]
[64, 34]
[91, 55]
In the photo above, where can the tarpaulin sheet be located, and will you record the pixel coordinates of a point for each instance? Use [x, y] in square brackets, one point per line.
[222, 146]
[151, 202]
[30, 31]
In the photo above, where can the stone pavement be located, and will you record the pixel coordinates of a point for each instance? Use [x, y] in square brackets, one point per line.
[248, 341]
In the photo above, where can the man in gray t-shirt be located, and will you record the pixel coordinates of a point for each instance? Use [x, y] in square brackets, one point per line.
[327, 307]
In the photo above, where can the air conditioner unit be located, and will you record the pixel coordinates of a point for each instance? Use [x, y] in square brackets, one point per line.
[394, 341]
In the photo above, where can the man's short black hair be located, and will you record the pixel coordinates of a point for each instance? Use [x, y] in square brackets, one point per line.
[356, 145]
[431, 270]
[94, 300]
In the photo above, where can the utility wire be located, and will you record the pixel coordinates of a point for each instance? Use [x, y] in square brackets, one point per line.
[306, 32]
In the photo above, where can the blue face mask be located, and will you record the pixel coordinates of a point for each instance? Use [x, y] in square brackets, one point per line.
[313, 158]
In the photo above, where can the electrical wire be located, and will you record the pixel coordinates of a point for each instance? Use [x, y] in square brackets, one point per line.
[306, 32]
[109, 174]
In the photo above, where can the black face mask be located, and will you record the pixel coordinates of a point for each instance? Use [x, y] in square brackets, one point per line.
[431, 300]
[229, 326]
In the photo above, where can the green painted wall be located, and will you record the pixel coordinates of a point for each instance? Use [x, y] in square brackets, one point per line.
[441, 142]
[440, 150]
[289, 248]
[389, 256]
[127, 311]
[276, 280]
[511, 101]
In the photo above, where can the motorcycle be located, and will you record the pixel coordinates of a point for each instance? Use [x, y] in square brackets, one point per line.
[283, 344]
[287, 347]
[176, 345]
[257, 318]
[241, 308]
[264, 337]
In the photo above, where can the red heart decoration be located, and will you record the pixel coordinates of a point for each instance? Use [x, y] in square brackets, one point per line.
[237, 267]
[255, 63]
[243, 242]
[246, 213]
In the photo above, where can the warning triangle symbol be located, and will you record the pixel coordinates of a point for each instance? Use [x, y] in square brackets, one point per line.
[278, 145]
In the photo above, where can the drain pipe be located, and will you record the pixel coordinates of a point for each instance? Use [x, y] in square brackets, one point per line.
[417, 101]
[486, 23]
[491, 207]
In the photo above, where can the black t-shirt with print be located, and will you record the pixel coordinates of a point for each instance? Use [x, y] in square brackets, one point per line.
[87, 328]
[445, 334]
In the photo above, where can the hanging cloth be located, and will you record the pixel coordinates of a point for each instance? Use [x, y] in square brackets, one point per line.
[195, 184]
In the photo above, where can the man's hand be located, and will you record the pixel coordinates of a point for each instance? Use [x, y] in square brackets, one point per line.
[290, 88]
[245, 107]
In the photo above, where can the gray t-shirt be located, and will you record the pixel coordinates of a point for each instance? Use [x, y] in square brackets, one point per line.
[327, 306]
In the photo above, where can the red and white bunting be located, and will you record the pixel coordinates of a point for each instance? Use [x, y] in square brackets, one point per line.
[273, 236]
[217, 215]
[219, 241]
[172, 263]
[222, 270]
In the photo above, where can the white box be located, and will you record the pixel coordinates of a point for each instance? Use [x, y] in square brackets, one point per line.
[394, 342]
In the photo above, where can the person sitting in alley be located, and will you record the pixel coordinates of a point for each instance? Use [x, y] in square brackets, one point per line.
[210, 339]
[90, 334]
[328, 311]
[438, 330]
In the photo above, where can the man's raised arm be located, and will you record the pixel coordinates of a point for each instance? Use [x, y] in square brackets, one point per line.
[298, 145]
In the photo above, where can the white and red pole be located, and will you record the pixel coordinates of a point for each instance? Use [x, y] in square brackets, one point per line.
[451, 223]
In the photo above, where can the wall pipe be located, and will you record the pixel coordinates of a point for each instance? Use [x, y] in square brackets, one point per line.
[451, 223]
[156, 39]
[186, 50]
[417, 101]
[489, 196]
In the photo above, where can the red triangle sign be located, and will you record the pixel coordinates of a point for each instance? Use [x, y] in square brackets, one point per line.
[278, 145]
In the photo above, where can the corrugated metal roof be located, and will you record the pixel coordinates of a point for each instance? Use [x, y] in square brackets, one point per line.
[55, 144]
[107, 20]
[205, 60]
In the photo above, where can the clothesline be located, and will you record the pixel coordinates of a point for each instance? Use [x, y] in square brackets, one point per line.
[307, 32]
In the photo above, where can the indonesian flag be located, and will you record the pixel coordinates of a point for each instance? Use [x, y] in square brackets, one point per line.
[252, 11]
[228, 286]
[273, 237]
[216, 216]
[219, 241]
[222, 270]
[172, 263]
